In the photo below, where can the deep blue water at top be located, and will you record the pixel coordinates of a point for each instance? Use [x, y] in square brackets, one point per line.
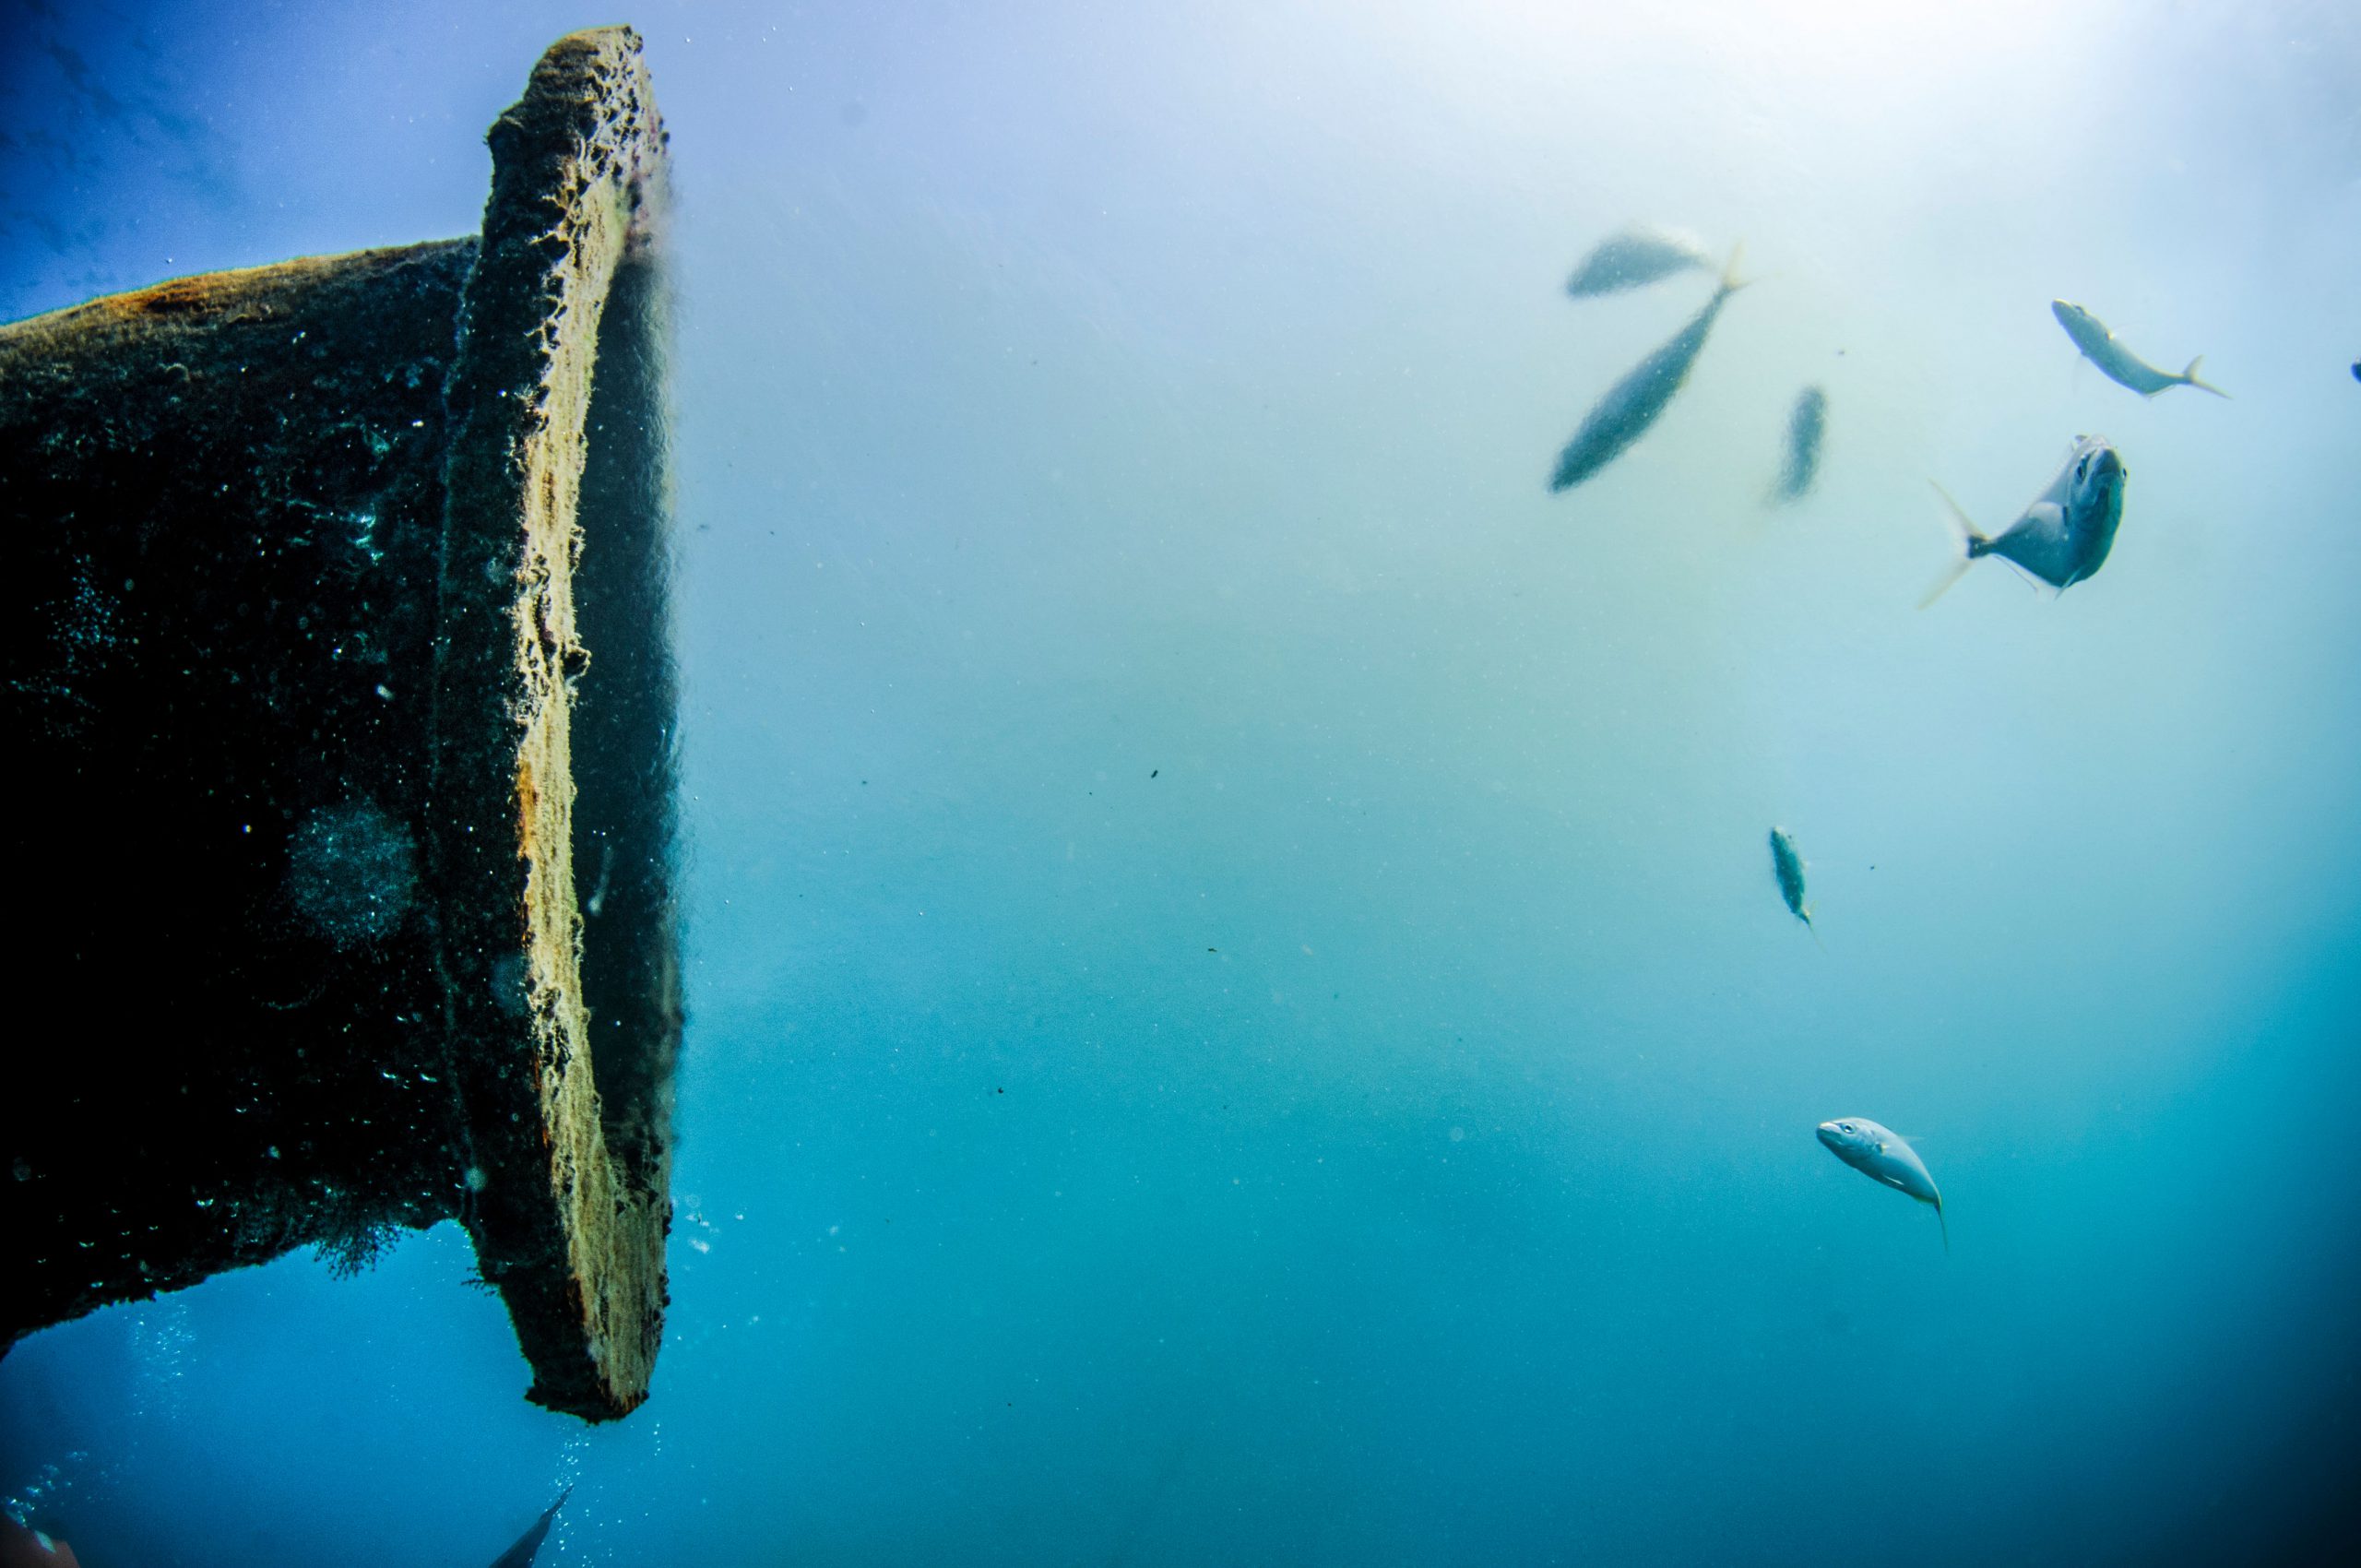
[1240, 1012]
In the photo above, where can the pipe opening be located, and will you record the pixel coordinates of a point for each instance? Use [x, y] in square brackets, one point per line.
[554, 714]
[625, 754]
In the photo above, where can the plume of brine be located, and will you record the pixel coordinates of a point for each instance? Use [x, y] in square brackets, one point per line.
[161, 1340]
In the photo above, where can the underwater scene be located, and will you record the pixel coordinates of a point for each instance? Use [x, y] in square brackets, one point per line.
[1329, 846]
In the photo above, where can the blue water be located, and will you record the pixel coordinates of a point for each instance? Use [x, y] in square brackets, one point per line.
[1239, 1012]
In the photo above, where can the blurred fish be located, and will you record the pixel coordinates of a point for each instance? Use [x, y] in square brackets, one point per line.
[1880, 1154]
[1637, 255]
[1807, 423]
[2065, 535]
[2105, 350]
[1788, 867]
[528, 1545]
[23, 1548]
[1633, 403]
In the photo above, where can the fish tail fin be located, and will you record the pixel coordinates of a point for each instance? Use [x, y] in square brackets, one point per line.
[1973, 545]
[1805, 915]
[2189, 376]
[1952, 574]
[1971, 537]
[1731, 281]
[1944, 1225]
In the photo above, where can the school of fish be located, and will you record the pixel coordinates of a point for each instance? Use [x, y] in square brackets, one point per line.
[2064, 536]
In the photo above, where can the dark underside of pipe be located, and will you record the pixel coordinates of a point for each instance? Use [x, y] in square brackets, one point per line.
[226, 505]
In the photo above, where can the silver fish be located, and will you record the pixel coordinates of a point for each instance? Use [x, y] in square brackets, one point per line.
[1806, 426]
[1788, 867]
[1633, 403]
[1637, 255]
[2105, 350]
[2065, 535]
[1880, 1154]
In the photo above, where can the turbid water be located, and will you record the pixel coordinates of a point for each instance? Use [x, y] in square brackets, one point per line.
[1238, 1013]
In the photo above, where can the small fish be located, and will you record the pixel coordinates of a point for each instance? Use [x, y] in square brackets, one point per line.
[1806, 425]
[1880, 1154]
[2065, 535]
[1633, 403]
[2105, 350]
[1788, 867]
[1637, 255]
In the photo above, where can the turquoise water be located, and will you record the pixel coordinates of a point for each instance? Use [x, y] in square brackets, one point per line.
[1240, 1010]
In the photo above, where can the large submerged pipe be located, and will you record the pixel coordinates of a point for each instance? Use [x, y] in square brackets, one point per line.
[340, 688]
